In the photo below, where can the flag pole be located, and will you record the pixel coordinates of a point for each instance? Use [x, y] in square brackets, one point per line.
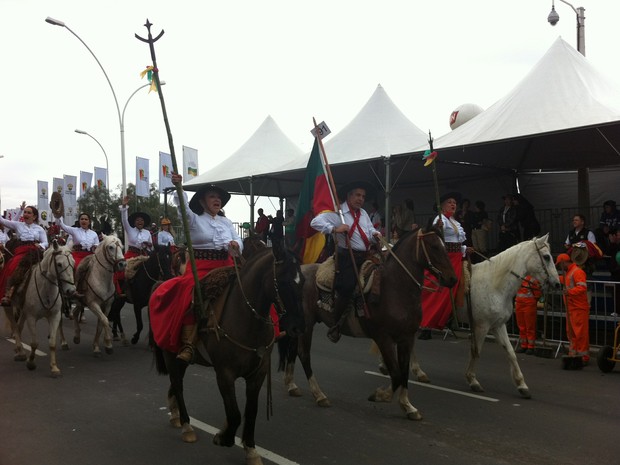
[330, 179]
[198, 308]
[430, 144]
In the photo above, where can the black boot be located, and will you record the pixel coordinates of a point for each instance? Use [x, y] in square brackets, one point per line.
[340, 306]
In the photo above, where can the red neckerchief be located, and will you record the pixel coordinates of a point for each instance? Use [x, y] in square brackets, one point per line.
[356, 214]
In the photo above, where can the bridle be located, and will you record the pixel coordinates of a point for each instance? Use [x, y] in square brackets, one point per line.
[542, 262]
[109, 258]
[58, 281]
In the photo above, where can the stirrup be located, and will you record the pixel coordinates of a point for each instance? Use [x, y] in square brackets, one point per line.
[333, 334]
[186, 354]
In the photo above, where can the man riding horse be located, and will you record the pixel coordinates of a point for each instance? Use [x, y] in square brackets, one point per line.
[358, 233]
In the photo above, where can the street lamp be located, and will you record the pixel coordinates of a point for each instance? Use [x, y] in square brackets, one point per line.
[583, 176]
[121, 116]
[107, 166]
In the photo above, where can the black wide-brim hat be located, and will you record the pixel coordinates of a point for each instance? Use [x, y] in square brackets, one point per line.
[194, 203]
[348, 187]
[450, 195]
[132, 219]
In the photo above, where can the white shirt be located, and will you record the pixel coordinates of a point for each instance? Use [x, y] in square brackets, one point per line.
[326, 222]
[453, 231]
[135, 237]
[86, 238]
[4, 237]
[165, 238]
[27, 232]
[209, 232]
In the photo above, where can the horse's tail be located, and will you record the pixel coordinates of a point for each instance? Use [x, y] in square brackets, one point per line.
[287, 351]
[160, 361]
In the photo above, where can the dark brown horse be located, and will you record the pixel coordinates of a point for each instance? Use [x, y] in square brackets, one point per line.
[240, 345]
[393, 318]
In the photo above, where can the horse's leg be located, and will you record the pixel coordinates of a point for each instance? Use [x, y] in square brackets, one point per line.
[63, 341]
[114, 315]
[252, 389]
[517, 376]
[137, 311]
[176, 373]
[20, 354]
[226, 385]
[478, 334]
[289, 368]
[54, 322]
[76, 323]
[415, 368]
[404, 350]
[103, 324]
[388, 354]
[305, 346]
[34, 344]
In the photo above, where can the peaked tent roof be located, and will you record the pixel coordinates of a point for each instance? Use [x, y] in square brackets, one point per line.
[264, 152]
[562, 115]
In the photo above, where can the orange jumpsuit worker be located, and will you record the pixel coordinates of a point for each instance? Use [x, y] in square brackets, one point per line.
[525, 309]
[577, 307]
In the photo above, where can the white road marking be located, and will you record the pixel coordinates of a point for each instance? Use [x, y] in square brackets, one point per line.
[439, 388]
[26, 346]
[264, 453]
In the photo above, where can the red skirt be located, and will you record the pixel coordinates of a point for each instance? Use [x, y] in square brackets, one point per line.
[119, 276]
[12, 264]
[437, 306]
[170, 304]
[78, 256]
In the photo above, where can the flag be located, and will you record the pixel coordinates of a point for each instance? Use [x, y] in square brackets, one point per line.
[165, 171]
[190, 163]
[42, 200]
[86, 179]
[142, 177]
[58, 185]
[70, 199]
[101, 178]
[315, 197]
[429, 157]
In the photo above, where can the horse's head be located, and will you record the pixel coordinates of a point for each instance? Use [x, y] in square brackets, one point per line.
[252, 244]
[180, 258]
[539, 262]
[58, 264]
[112, 251]
[288, 286]
[162, 254]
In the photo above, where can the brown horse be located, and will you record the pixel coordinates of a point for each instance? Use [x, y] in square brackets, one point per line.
[393, 318]
[240, 344]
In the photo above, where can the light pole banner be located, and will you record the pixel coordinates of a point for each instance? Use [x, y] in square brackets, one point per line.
[165, 171]
[58, 185]
[101, 174]
[86, 179]
[42, 201]
[142, 177]
[190, 163]
[70, 199]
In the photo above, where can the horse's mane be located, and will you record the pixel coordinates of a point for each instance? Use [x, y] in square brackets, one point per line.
[408, 234]
[501, 264]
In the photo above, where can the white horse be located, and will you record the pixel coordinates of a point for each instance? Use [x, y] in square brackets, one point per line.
[39, 296]
[494, 284]
[95, 274]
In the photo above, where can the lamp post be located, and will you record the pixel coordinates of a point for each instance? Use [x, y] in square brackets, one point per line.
[107, 166]
[121, 116]
[583, 175]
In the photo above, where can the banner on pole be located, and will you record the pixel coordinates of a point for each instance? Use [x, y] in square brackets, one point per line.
[70, 199]
[86, 179]
[42, 201]
[165, 171]
[190, 163]
[142, 177]
[101, 176]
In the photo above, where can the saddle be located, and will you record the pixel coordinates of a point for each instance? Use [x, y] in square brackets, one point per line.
[214, 289]
[133, 264]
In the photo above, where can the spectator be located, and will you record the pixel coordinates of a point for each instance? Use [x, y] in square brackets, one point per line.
[577, 307]
[480, 230]
[375, 216]
[262, 225]
[508, 225]
[526, 217]
[579, 233]
[406, 219]
[610, 220]
[613, 264]
[289, 227]
[277, 228]
[465, 216]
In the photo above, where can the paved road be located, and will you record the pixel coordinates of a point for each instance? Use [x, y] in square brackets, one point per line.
[112, 410]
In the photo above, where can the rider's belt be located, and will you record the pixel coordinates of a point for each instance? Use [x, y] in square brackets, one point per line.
[453, 247]
[356, 253]
[210, 254]
[79, 248]
[28, 242]
[135, 250]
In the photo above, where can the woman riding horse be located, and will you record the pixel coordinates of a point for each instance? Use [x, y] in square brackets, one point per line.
[31, 236]
[85, 240]
[437, 303]
[213, 237]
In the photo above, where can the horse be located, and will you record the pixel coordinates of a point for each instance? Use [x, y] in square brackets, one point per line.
[239, 343]
[155, 268]
[392, 320]
[97, 271]
[39, 296]
[494, 284]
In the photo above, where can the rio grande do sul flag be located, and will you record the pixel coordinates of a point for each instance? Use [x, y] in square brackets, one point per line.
[142, 177]
[165, 171]
[315, 197]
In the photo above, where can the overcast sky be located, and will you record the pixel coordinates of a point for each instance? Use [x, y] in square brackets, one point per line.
[229, 64]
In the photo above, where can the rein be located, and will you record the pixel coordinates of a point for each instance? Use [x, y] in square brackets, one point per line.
[54, 283]
[110, 261]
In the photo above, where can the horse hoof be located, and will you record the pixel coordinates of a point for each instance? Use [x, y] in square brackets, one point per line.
[219, 440]
[76, 340]
[56, 374]
[476, 388]
[19, 358]
[135, 339]
[415, 416]
[64, 346]
[175, 421]
[188, 434]
[324, 403]
[252, 457]
[295, 392]
[424, 379]
[383, 370]
[97, 354]
[31, 365]
[116, 337]
[525, 393]
[109, 350]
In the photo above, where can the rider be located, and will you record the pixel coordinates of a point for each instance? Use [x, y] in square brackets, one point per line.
[31, 236]
[214, 239]
[164, 236]
[360, 231]
[85, 240]
[437, 305]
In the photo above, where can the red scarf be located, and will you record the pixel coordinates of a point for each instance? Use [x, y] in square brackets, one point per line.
[356, 214]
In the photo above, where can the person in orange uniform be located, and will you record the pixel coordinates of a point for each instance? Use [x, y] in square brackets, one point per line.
[525, 310]
[577, 307]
